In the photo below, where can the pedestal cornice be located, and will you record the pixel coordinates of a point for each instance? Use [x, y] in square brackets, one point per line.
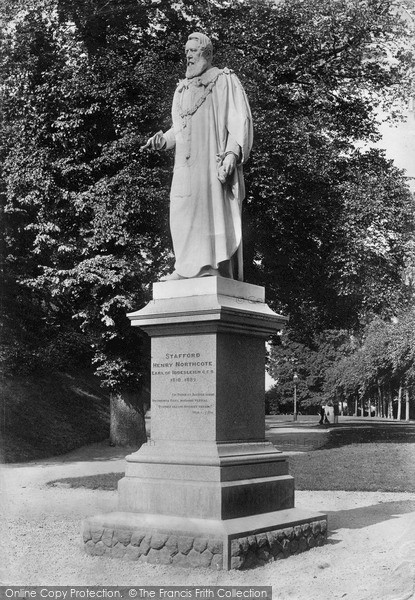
[207, 305]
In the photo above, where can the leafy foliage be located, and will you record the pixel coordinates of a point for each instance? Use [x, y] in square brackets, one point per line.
[370, 368]
[382, 364]
[310, 362]
[85, 81]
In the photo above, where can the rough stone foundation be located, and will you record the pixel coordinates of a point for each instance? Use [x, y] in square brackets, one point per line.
[155, 548]
[188, 551]
[256, 550]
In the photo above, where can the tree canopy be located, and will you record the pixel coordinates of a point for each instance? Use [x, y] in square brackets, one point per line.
[327, 223]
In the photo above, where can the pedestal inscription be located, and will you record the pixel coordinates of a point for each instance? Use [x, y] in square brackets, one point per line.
[183, 387]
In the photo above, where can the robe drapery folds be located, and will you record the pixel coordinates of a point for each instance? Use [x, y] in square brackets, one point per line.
[211, 116]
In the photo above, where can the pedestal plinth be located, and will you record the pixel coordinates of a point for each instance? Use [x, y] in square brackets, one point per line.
[207, 488]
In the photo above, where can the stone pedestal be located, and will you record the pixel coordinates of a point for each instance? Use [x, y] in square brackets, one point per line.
[207, 488]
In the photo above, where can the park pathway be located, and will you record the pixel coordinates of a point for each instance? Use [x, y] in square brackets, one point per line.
[369, 555]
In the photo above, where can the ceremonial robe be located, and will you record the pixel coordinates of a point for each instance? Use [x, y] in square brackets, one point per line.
[211, 116]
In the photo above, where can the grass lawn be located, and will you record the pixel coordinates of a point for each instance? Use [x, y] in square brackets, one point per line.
[386, 467]
[107, 481]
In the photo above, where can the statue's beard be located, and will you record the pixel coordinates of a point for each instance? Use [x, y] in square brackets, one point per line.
[197, 68]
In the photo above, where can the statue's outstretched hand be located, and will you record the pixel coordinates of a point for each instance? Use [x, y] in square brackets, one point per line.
[156, 142]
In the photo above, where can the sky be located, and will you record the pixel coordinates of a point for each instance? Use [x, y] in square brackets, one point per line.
[399, 143]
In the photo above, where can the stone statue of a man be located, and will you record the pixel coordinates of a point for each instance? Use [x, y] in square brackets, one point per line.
[212, 133]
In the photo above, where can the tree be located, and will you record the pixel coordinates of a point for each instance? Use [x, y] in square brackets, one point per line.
[381, 370]
[84, 83]
[84, 234]
[310, 362]
[314, 99]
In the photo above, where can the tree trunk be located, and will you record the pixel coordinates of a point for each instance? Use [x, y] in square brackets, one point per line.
[355, 404]
[398, 416]
[390, 407]
[362, 406]
[406, 404]
[380, 414]
[127, 426]
[2, 246]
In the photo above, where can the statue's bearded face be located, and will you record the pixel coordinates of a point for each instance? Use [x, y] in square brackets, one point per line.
[197, 63]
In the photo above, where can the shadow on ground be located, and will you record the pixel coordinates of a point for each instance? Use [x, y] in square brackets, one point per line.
[101, 451]
[307, 436]
[364, 516]
[304, 435]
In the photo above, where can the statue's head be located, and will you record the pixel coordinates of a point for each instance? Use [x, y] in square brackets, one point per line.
[199, 54]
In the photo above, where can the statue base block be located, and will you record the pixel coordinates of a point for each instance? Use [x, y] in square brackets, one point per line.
[221, 545]
[207, 489]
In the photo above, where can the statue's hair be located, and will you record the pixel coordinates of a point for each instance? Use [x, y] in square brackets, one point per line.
[204, 43]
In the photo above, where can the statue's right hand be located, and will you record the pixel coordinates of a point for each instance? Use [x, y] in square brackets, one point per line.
[156, 142]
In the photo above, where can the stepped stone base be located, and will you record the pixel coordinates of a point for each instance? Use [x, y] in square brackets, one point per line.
[221, 545]
[207, 490]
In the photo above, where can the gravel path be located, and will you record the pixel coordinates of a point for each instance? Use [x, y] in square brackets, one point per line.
[370, 554]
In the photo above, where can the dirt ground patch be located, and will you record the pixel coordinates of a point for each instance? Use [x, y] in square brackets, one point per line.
[370, 554]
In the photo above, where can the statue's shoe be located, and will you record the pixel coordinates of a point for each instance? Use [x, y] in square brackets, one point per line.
[172, 277]
[205, 272]
[209, 272]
